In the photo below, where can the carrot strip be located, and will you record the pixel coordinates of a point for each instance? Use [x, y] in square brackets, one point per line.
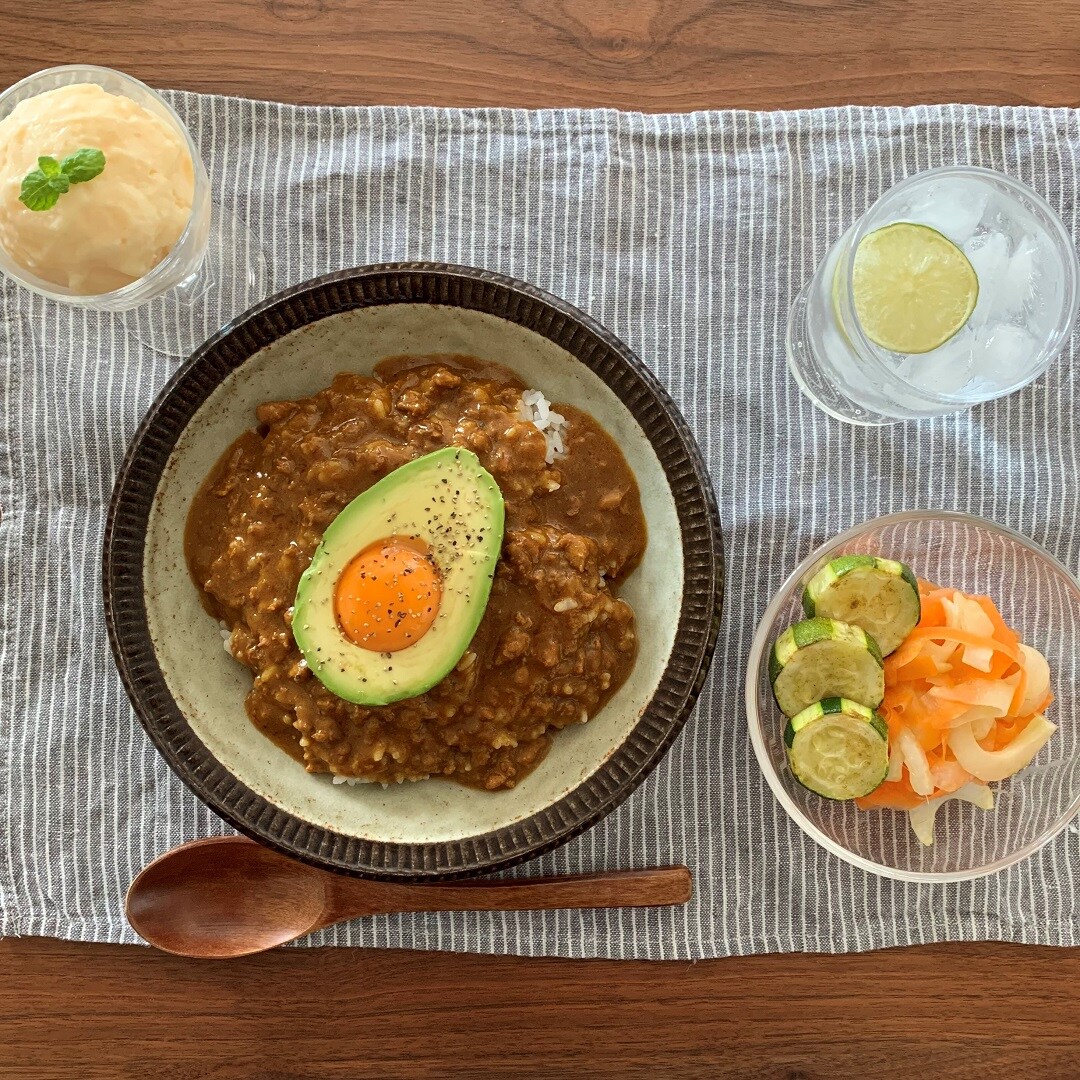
[892, 795]
[907, 651]
[933, 611]
[1005, 731]
[1020, 691]
[1000, 666]
[959, 672]
[961, 637]
[1001, 631]
[920, 667]
[928, 588]
[940, 712]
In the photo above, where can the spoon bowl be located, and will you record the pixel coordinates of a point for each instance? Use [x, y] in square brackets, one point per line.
[228, 896]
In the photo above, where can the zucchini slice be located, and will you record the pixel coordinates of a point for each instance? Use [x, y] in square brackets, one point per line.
[838, 748]
[824, 658]
[879, 595]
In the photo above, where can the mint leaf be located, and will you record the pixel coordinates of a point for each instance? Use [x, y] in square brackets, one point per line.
[40, 192]
[42, 188]
[83, 165]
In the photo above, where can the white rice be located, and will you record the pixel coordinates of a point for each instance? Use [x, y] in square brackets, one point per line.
[536, 409]
[352, 781]
[226, 637]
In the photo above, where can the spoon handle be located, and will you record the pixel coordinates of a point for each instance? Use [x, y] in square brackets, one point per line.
[348, 898]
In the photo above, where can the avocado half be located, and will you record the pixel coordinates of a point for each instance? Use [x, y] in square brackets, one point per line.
[452, 503]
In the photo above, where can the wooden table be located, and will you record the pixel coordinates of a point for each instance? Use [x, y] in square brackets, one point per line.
[947, 1011]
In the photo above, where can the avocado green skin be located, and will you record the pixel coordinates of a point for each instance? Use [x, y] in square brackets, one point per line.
[418, 500]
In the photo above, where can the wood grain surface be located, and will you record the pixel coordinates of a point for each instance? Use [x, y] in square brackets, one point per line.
[948, 1012]
[654, 55]
[99, 1012]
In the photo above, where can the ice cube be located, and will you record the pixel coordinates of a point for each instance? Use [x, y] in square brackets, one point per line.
[944, 370]
[1005, 358]
[989, 255]
[989, 250]
[1017, 281]
[953, 207]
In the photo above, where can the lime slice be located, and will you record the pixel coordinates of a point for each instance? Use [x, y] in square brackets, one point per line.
[913, 288]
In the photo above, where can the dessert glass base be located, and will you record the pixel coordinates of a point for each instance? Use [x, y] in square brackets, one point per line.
[231, 278]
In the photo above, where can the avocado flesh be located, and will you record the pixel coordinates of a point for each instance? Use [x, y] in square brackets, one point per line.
[452, 503]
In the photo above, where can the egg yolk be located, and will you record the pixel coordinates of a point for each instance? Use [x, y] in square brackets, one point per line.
[388, 596]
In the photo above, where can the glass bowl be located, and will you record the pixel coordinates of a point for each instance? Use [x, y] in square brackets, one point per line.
[1040, 599]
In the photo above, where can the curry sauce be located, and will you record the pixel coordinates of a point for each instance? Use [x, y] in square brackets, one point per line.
[555, 641]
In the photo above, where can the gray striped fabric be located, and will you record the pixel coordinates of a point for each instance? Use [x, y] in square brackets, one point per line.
[687, 235]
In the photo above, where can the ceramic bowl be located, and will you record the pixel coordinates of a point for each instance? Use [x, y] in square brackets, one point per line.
[189, 693]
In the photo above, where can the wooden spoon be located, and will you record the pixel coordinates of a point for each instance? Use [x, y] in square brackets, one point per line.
[228, 896]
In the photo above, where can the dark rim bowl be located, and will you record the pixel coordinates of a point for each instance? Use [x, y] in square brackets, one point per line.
[413, 283]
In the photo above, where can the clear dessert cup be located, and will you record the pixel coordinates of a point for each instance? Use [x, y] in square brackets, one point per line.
[215, 269]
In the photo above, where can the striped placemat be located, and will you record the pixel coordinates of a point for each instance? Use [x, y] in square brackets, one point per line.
[686, 235]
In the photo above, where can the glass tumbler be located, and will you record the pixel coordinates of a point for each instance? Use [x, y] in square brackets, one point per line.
[1027, 272]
